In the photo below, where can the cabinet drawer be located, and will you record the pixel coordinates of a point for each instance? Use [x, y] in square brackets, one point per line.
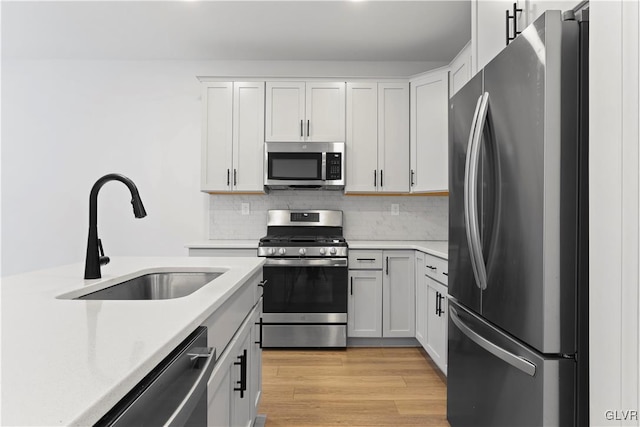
[365, 260]
[436, 268]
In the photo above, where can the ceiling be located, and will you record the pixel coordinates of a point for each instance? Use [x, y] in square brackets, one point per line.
[236, 30]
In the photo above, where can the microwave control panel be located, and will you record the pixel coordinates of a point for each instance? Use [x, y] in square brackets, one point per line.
[334, 166]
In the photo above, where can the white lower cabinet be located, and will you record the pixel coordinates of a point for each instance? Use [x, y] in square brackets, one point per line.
[233, 390]
[421, 300]
[431, 307]
[381, 294]
[256, 362]
[436, 339]
[398, 294]
[365, 303]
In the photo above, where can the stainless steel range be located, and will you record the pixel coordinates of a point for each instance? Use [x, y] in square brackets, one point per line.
[306, 279]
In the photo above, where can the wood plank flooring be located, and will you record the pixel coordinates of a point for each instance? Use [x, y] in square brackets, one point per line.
[355, 387]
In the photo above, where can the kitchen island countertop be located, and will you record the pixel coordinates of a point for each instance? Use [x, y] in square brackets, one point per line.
[67, 362]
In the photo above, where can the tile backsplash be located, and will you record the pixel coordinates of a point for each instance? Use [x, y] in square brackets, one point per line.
[365, 217]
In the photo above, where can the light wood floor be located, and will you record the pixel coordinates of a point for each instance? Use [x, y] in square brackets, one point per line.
[353, 387]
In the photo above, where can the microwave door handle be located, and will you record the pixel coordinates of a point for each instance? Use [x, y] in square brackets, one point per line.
[323, 173]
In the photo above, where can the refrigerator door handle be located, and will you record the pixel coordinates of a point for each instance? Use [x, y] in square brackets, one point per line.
[468, 213]
[516, 361]
[471, 196]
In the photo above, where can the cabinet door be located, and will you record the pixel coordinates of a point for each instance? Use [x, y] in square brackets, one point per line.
[430, 132]
[219, 392]
[362, 137]
[256, 361]
[365, 303]
[248, 136]
[241, 413]
[325, 112]
[393, 137]
[398, 294]
[460, 70]
[217, 131]
[421, 300]
[437, 323]
[285, 104]
[490, 37]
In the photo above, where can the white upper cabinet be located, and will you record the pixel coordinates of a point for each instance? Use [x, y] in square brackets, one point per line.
[233, 136]
[325, 111]
[488, 21]
[285, 111]
[377, 138]
[362, 137]
[393, 137]
[299, 111]
[460, 70]
[217, 135]
[429, 133]
[488, 30]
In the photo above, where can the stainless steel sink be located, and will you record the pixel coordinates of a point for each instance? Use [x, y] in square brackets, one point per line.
[155, 286]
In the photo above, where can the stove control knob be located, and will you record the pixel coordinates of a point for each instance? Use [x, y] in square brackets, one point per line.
[282, 251]
[323, 251]
[333, 251]
[302, 251]
[272, 251]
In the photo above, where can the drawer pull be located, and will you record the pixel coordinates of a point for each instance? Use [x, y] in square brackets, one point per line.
[365, 259]
[446, 274]
[430, 267]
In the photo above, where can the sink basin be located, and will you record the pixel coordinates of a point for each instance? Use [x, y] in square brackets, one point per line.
[155, 286]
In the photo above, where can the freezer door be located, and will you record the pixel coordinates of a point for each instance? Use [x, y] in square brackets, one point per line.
[529, 186]
[495, 381]
[462, 107]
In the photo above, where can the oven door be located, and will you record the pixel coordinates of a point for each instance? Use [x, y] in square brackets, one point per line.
[305, 290]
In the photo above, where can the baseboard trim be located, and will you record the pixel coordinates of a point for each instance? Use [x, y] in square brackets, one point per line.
[382, 342]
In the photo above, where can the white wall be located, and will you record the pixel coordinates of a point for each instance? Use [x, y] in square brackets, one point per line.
[614, 247]
[66, 123]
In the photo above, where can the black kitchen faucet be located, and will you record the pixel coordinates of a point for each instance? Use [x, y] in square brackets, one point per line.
[95, 253]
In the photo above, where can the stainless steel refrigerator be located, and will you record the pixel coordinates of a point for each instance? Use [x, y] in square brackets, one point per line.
[517, 349]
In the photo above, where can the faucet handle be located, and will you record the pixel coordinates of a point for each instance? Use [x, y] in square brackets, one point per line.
[102, 258]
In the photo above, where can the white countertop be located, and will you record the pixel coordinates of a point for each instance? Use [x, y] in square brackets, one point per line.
[437, 248]
[67, 362]
[224, 244]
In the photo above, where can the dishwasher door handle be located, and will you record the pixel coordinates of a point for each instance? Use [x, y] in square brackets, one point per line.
[182, 413]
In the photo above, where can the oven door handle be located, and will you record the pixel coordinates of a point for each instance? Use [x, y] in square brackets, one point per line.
[306, 262]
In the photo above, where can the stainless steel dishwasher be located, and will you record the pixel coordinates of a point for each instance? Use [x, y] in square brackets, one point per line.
[174, 393]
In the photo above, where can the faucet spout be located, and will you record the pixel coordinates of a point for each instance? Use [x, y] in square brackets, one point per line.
[95, 254]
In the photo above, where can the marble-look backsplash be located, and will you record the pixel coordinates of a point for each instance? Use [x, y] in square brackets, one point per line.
[365, 217]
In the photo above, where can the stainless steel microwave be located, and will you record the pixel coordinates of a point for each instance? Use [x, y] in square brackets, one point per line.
[308, 165]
